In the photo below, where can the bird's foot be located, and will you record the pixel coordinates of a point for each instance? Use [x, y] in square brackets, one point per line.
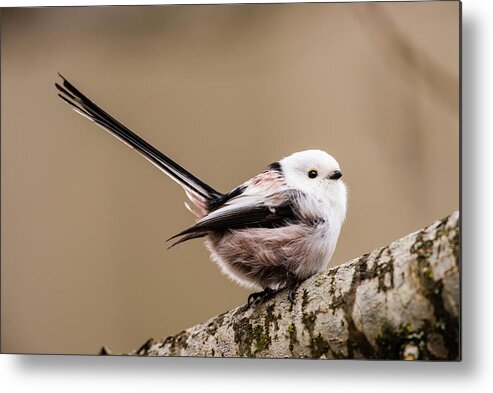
[292, 291]
[267, 293]
[260, 296]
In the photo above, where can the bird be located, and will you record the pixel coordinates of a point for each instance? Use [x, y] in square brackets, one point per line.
[271, 232]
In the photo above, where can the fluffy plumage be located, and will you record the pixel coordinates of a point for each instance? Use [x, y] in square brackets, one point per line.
[271, 232]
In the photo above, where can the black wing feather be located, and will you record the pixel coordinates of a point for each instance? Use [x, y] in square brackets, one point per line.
[258, 216]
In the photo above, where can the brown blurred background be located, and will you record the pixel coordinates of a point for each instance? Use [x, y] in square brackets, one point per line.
[224, 90]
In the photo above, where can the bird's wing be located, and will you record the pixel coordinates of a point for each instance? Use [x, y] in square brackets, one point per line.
[261, 204]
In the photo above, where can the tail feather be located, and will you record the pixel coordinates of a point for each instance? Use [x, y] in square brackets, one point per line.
[190, 236]
[199, 192]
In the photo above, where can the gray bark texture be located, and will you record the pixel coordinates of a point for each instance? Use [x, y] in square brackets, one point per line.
[397, 302]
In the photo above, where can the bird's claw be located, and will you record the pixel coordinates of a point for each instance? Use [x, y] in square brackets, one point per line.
[291, 295]
[262, 296]
[292, 292]
[267, 293]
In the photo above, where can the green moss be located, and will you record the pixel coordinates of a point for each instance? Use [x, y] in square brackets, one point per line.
[423, 248]
[293, 339]
[379, 270]
[305, 299]
[336, 303]
[427, 272]
[319, 346]
[446, 324]
[440, 325]
[392, 343]
[253, 335]
[308, 320]
[261, 339]
[271, 318]
[319, 281]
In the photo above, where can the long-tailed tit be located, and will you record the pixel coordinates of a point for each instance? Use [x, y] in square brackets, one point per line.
[271, 232]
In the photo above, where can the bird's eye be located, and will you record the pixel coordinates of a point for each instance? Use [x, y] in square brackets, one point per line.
[312, 173]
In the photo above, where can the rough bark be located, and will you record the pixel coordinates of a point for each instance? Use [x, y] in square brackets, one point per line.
[397, 302]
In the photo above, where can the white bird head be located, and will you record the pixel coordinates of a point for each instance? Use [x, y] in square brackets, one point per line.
[315, 172]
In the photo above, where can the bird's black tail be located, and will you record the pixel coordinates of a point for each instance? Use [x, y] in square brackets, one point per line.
[199, 192]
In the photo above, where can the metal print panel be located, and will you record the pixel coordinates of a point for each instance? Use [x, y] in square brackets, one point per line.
[316, 148]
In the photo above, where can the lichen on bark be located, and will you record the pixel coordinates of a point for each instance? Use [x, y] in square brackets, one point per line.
[401, 301]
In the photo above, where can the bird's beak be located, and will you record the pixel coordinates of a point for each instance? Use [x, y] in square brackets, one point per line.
[335, 175]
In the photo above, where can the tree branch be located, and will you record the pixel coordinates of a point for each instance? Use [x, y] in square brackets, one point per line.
[398, 302]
